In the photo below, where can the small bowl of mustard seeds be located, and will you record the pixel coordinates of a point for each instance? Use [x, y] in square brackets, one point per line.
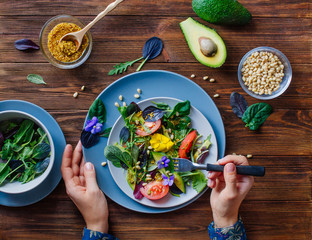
[63, 54]
[264, 73]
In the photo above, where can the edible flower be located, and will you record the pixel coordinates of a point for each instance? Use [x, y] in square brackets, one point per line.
[93, 126]
[163, 162]
[160, 143]
[167, 181]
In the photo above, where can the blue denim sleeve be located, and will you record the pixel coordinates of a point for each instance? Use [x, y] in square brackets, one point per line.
[237, 231]
[94, 235]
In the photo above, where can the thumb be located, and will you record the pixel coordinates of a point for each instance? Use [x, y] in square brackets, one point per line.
[230, 179]
[90, 177]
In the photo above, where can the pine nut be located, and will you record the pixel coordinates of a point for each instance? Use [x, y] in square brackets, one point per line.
[116, 104]
[249, 156]
[136, 95]
[205, 78]
[139, 90]
[212, 80]
[82, 88]
[75, 95]
[120, 97]
[216, 95]
[103, 164]
[193, 75]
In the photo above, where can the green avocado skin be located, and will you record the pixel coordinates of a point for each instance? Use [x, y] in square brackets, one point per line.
[222, 12]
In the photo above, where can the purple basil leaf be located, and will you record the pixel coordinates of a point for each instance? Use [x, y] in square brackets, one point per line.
[152, 48]
[137, 193]
[88, 139]
[124, 134]
[11, 133]
[152, 114]
[238, 104]
[201, 158]
[25, 44]
[132, 108]
[1, 140]
[15, 164]
[142, 158]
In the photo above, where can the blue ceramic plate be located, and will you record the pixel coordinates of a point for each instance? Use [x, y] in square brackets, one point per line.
[153, 83]
[50, 183]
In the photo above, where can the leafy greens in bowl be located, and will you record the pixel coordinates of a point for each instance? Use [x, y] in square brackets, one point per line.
[26, 152]
[136, 155]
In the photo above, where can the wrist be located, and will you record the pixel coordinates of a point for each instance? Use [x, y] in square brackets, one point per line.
[99, 227]
[225, 221]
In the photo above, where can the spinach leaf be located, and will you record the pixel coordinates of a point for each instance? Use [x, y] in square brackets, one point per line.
[98, 110]
[199, 181]
[7, 150]
[117, 156]
[181, 109]
[135, 153]
[35, 78]
[238, 104]
[256, 114]
[106, 132]
[23, 131]
[4, 171]
[40, 151]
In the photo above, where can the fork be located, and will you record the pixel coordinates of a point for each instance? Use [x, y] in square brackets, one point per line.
[184, 165]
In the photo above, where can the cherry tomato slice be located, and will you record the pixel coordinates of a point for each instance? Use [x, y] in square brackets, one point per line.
[154, 190]
[148, 128]
[186, 144]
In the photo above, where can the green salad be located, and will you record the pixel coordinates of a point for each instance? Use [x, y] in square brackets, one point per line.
[24, 151]
[148, 142]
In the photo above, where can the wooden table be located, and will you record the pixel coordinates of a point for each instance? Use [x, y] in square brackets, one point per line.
[277, 207]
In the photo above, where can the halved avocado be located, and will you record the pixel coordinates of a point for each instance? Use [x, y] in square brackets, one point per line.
[205, 43]
[178, 181]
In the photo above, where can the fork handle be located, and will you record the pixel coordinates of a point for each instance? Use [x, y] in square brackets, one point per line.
[241, 169]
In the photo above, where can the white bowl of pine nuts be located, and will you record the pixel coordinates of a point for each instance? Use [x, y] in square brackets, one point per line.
[264, 73]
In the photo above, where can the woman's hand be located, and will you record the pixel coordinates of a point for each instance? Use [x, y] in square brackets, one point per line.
[228, 190]
[82, 188]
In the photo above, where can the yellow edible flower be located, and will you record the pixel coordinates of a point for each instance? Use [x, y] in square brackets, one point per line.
[160, 143]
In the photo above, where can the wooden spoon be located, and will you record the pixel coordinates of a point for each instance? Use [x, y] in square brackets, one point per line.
[76, 37]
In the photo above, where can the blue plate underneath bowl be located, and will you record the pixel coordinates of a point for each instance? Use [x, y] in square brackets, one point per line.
[153, 83]
[52, 180]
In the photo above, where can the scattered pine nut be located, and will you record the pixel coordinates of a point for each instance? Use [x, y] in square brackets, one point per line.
[205, 78]
[124, 104]
[120, 97]
[212, 80]
[234, 154]
[199, 141]
[136, 95]
[82, 88]
[116, 104]
[216, 95]
[103, 164]
[139, 90]
[144, 184]
[249, 156]
[193, 75]
[75, 94]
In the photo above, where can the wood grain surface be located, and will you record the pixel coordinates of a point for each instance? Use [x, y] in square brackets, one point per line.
[279, 206]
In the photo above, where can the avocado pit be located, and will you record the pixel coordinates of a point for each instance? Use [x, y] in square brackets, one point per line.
[207, 46]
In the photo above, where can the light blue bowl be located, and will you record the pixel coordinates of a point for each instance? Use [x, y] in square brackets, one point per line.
[285, 81]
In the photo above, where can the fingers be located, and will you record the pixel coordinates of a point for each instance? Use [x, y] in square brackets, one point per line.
[90, 178]
[230, 179]
[236, 159]
[66, 170]
[77, 156]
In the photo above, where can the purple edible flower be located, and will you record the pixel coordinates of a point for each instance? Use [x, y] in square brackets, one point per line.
[168, 181]
[93, 126]
[163, 162]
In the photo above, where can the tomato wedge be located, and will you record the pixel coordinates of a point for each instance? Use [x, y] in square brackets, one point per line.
[187, 144]
[155, 190]
[148, 128]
